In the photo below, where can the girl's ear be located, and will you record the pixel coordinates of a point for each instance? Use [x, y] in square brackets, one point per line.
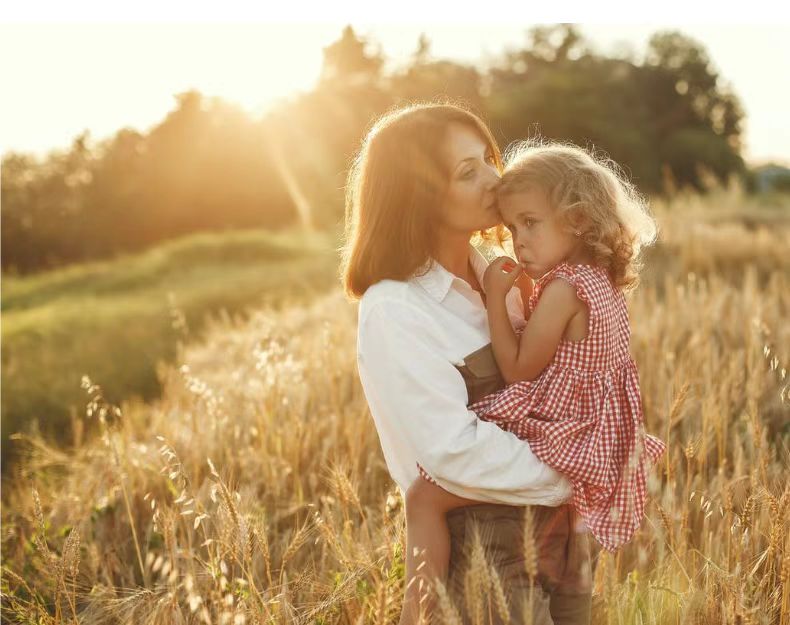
[580, 223]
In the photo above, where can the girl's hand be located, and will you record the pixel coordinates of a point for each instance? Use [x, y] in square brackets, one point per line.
[500, 276]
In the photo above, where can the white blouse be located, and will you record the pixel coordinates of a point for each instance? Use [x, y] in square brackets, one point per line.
[410, 335]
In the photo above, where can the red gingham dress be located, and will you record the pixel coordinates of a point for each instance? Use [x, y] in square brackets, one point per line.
[583, 414]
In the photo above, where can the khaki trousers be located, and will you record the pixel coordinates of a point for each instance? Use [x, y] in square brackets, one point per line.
[561, 593]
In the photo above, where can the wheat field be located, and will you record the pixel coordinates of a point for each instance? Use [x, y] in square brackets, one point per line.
[255, 490]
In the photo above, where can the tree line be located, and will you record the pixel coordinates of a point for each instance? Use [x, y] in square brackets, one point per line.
[667, 118]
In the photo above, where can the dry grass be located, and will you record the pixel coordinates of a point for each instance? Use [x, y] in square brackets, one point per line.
[256, 492]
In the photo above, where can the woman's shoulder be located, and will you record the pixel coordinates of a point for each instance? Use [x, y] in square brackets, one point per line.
[396, 298]
[382, 292]
[384, 289]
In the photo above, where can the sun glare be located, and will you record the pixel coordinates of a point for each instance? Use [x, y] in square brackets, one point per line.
[104, 77]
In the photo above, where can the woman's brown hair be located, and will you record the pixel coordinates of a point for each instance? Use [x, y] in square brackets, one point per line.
[394, 188]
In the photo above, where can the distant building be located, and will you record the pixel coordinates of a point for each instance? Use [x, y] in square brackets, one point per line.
[771, 177]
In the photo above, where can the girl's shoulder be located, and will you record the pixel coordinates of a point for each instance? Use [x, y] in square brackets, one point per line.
[587, 281]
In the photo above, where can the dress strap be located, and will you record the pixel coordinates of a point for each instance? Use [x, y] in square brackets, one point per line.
[576, 276]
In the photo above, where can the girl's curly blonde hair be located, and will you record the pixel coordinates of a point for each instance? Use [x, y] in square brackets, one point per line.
[592, 195]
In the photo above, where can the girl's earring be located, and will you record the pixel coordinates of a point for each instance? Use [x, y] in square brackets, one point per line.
[578, 234]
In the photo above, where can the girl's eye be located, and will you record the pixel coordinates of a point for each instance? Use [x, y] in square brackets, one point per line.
[467, 174]
[529, 223]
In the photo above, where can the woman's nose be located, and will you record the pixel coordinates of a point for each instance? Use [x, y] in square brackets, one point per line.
[493, 180]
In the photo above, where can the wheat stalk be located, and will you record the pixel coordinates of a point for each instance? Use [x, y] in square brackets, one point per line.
[530, 549]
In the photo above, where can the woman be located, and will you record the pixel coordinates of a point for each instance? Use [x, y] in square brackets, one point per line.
[421, 186]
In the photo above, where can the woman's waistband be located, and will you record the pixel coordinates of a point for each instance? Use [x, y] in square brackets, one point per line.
[496, 510]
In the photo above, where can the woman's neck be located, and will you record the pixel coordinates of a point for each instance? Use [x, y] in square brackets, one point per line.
[452, 253]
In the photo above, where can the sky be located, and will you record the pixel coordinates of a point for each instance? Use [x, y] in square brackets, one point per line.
[85, 72]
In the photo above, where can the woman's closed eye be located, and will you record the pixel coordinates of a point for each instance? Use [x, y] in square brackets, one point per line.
[470, 172]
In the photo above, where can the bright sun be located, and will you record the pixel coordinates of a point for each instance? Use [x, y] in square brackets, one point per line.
[103, 77]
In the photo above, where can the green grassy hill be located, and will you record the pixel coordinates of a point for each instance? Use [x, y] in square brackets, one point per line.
[116, 320]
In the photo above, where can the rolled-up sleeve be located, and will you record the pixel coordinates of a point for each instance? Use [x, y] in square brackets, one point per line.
[415, 393]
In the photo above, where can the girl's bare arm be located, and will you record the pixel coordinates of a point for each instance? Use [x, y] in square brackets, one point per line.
[523, 358]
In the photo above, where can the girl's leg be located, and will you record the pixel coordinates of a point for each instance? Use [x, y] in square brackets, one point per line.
[427, 545]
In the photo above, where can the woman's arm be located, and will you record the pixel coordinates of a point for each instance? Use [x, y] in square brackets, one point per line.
[417, 395]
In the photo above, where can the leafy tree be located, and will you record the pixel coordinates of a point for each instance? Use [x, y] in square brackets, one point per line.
[348, 59]
[42, 206]
[697, 119]
[668, 114]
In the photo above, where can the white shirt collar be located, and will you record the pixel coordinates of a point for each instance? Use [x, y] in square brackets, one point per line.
[438, 280]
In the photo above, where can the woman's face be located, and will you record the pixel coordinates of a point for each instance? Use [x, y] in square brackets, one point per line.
[470, 202]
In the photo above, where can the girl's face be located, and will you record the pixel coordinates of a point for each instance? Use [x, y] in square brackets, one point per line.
[470, 202]
[539, 240]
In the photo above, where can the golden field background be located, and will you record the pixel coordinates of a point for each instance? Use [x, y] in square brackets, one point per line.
[255, 491]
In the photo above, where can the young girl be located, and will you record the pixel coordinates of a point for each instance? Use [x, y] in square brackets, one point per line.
[573, 394]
